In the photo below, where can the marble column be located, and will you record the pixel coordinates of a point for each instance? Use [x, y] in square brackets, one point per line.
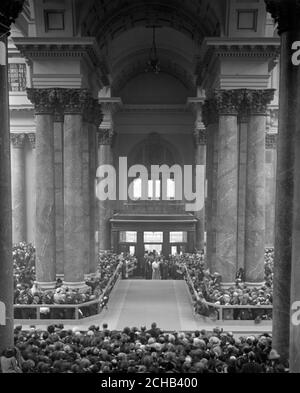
[270, 171]
[31, 193]
[227, 104]
[44, 100]
[9, 10]
[200, 160]
[286, 283]
[59, 197]
[74, 102]
[6, 268]
[86, 194]
[93, 147]
[210, 119]
[105, 157]
[18, 188]
[243, 126]
[256, 102]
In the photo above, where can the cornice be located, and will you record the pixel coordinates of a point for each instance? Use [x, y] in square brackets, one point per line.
[79, 47]
[213, 49]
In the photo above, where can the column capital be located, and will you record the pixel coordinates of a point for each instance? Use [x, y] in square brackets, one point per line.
[228, 102]
[286, 13]
[31, 138]
[271, 141]
[105, 136]
[73, 101]
[17, 140]
[9, 11]
[200, 137]
[256, 101]
[43, 99]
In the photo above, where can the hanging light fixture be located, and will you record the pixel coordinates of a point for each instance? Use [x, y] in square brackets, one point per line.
[153, 64]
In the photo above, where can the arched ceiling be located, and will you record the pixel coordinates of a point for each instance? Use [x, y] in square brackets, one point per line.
[120, 27]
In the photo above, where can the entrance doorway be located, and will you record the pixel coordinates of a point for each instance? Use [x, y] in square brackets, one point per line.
[167, 235]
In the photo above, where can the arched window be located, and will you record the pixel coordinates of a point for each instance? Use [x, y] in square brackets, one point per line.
[171, 189]
[137, 188]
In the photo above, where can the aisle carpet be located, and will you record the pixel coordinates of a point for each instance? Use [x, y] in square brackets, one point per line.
[141, 302]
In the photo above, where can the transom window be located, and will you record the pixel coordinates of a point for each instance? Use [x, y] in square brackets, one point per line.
[154, 189]
[153, 237]
[128, 237]
[178, 237]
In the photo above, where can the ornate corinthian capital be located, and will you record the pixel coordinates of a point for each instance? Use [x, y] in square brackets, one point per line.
[257, 101]
[43, 99]
[73, 101]
[105, 136]
[17, 140]
[228, 102]
[31, 138]
[9, 11]
[286, 13]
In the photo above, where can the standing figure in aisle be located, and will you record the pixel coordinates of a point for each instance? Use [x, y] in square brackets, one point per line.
[155, 270]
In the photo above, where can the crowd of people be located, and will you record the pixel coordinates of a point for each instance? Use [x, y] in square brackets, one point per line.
[205, 286]
[209, 289]
[138, 350]
[26, 290]
[157, 267]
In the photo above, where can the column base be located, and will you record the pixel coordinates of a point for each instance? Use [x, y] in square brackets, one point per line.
[61, 276]
[75, 285]
[46, 285]
[254, 284]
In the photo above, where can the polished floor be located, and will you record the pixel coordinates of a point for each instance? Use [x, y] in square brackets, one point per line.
[141, 302]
